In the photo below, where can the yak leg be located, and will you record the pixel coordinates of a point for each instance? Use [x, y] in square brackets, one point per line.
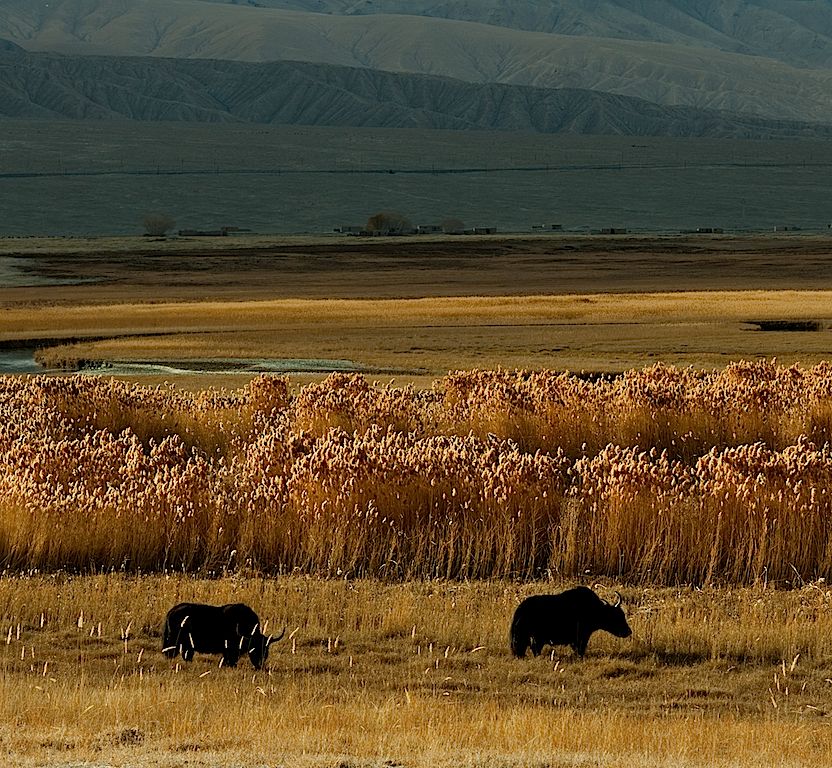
[580, 643]
[231, 652]
[186, 645]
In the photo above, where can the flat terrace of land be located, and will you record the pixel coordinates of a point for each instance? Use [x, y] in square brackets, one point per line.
[420, 306]
[60, 180]
[257, 267]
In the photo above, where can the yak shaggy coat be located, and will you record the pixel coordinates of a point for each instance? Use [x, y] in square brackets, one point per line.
[568, 618]
[231, 630]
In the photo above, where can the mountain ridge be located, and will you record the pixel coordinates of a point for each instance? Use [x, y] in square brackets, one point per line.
[661, 63]
[794, 32]
[52, 86]
[659, 72]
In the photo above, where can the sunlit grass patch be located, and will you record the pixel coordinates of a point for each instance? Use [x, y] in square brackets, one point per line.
[413, 673]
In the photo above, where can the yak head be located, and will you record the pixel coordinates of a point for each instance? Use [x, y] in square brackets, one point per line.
[257, 645]
[615, 622]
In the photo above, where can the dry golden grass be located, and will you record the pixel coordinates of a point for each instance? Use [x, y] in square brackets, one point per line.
[662, 475]
[415, 674]
[379, 672]
[604, 332]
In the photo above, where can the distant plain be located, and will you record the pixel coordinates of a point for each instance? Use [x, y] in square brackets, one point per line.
[416, 307]
[101, 178]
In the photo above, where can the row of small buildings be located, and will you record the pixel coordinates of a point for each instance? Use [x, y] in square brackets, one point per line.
[422, 229]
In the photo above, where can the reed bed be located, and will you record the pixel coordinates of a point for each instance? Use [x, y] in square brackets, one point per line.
[662, 475]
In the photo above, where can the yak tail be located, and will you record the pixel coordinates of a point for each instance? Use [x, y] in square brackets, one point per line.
[518, 639]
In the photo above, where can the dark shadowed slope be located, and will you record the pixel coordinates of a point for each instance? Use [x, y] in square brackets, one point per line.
[52, 86]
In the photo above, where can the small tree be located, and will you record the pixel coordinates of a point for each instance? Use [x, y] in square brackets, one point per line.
[452, 226]
[389, 221]
[157, 224]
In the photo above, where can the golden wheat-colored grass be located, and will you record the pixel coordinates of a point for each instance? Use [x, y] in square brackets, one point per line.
[603, 332]
[413, 674]
[662, 475]
[403, 500]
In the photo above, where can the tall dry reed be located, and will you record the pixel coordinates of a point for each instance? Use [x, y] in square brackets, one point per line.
[660, 475]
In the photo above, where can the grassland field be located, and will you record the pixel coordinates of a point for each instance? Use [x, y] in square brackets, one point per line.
[379, 673]
[99, 177]
[415, 674]
[419, 307]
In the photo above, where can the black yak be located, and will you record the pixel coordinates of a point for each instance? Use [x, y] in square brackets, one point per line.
[231, 630]
[568, 618]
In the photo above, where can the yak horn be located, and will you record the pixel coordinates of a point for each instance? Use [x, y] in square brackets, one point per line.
[275, 639]
[618, 602]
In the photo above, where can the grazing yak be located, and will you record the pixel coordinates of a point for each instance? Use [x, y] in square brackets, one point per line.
[568, 618]
[231, 630]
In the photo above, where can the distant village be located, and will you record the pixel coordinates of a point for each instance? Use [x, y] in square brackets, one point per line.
[388, 224]
[421, 229]
[438, 229]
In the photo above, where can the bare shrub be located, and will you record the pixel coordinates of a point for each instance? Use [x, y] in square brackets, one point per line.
[389, 222]
[157, 224]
